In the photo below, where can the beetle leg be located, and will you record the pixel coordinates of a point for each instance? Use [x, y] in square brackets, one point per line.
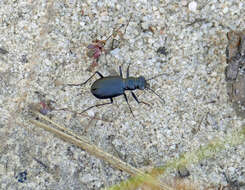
[97, 105]
[97, 72]
[135, 97]
[128, 70]
[125, 96]
[101, 76]
[120, 71]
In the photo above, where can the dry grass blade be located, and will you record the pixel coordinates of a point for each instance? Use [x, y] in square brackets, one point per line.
[232, 139]
[83, 143]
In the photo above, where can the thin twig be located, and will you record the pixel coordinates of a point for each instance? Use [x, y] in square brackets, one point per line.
[83, 143]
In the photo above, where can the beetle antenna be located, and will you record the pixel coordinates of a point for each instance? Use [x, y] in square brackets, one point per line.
[156, 94]
[157, 76]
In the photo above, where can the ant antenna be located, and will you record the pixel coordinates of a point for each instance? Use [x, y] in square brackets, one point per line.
[128, 23]
[157, 76]
[114, 32]
[156, 94]
[119, 29]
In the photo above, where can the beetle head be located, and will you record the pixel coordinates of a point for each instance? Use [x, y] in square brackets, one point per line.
[142, 83]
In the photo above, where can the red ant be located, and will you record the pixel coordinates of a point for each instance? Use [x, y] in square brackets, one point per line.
[44, 106]
[97, 47]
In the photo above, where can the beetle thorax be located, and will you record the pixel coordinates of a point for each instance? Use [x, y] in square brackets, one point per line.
[132, 83]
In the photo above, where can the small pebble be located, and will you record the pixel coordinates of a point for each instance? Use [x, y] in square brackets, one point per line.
[3, 51]
[22, 177]
[116, 53]
[162, 50]
[183, 172]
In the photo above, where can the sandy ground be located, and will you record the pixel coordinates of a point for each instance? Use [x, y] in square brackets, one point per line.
[44, 45]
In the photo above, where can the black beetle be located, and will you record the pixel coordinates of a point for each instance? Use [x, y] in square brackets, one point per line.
[113, 86]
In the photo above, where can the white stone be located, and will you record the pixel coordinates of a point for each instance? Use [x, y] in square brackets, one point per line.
[192, 6]
[115, 52]
[90, 113]
[225, 10]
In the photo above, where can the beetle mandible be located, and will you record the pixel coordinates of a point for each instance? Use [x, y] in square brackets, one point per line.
[113, 86]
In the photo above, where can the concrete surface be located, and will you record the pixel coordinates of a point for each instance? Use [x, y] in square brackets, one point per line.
[44, 45]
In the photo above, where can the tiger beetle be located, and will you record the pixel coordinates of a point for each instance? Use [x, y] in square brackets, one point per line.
[113, 86]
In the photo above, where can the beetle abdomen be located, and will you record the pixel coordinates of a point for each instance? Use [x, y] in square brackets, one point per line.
[107, 87]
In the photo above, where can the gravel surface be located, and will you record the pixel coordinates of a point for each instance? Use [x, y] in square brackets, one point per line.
[43, 45]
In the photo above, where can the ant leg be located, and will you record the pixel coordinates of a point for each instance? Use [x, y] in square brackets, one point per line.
[120, 71]
[97, 72]
[125, 96]
[128, 23]
[128, 70]
[106, 62]
[135, 97]
[97, 105]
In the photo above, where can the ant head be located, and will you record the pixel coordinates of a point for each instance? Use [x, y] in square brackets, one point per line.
[142, 83]
[101, 43]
